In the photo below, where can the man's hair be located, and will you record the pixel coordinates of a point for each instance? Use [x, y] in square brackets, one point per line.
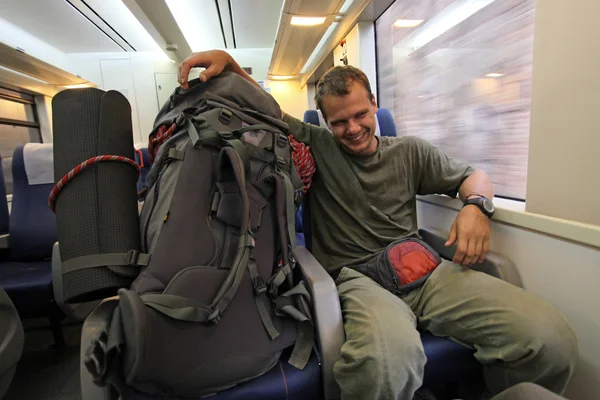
[337, 82]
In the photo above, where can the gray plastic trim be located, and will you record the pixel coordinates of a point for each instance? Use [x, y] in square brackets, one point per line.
[327, 314]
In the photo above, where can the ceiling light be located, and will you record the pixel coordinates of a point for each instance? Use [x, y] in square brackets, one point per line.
[321, 43]
[307, 21]
[447, 19]
[281, 77]
[346, 6]
[79, 86]
[494, 75]
[407, 23]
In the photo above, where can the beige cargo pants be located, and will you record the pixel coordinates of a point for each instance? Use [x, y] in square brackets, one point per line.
[516, 336]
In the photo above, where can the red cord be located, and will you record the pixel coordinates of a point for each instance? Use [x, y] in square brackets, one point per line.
[304, 162]
[162, 136]
[77, 170]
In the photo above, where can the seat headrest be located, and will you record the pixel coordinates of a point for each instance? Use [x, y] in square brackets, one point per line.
[387, 125]
[38, 160]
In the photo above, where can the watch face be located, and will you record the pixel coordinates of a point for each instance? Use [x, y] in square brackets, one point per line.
[488, 205]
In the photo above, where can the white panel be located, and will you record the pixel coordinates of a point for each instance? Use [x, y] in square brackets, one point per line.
[564, 144]
[116, 75]
[165, 85]
[563, 273]
[366, 51]
[145, 92]
[256, 22]
[56, 23]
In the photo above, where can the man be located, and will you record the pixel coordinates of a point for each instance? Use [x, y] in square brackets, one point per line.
[363, 197]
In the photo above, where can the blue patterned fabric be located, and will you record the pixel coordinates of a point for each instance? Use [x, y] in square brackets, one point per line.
[282, 382]
[27, 277]
[144, 162]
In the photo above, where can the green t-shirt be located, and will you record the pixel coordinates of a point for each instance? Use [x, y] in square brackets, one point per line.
[360, 204]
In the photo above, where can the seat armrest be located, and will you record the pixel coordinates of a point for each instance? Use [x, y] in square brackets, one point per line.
[95, 323]
[11, 335]
[77, 311]
[327, 314]
[5, 241]
[494, 264]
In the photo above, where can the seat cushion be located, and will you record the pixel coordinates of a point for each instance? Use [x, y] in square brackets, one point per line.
[448, 361]
[281, 382]
[28, 284]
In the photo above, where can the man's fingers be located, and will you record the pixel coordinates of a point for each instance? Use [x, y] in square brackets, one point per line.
[461, 249]
[485, 249]
[211, 71]
[183, 74]
[452, 237]
[471, 251]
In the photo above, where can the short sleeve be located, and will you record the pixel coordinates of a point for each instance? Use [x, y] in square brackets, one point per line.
[435, 171]
[303, 132]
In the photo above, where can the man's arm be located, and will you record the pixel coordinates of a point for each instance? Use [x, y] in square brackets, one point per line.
[215, 62]
[476, 185]
[471, 228]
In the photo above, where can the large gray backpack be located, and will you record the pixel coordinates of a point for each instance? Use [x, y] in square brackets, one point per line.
[217, 302]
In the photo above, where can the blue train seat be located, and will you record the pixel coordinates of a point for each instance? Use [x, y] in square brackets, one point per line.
[141, 158]
[27, 276]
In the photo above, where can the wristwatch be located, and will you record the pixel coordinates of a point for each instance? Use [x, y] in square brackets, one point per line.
[484, 204]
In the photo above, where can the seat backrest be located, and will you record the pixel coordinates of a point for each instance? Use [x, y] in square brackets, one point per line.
[312, 117]
[32, 224]
[387, 125]
[142, 159]
[11, 337]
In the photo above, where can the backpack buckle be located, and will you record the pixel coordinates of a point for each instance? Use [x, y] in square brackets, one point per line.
[214, 317]
[280, 161]
[131, 257]
[259, 286]
[282, 140]
[225, 116]
[291, 257]
[180, 120]
[226, 135]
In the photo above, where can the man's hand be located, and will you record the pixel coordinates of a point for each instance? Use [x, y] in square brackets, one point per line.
[471, 232]
[215, 62]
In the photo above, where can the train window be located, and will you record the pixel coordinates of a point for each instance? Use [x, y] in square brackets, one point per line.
[18, 126]
[458, 73]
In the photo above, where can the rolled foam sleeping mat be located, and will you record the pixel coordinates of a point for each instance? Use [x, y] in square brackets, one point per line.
[96, 211]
